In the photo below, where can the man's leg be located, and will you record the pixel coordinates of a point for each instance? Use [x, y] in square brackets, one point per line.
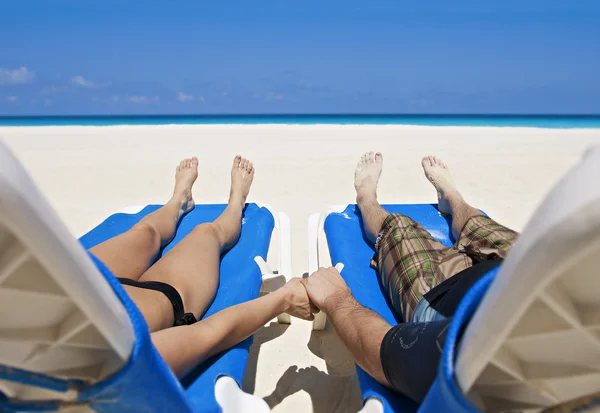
[366, 177]
[469, 225]
[192, 266]
[450, 201]
[130, 254]
[406, 256]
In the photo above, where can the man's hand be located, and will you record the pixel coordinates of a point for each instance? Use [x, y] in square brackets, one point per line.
[325, 288]
[297, 302]
[360, 329]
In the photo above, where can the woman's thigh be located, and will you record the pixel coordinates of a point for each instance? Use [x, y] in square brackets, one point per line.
[192, 268]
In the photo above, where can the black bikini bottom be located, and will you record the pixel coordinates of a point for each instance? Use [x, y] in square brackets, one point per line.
[180, 317]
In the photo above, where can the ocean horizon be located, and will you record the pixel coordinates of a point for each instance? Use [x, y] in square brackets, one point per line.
[532, 121]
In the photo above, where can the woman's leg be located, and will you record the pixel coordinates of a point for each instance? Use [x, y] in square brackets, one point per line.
[192, 266]
[130, 254]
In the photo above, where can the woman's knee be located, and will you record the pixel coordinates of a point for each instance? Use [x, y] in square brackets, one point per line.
[146, 233]
[210, 231]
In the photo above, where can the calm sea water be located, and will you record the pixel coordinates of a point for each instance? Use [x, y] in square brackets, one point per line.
[534, 121]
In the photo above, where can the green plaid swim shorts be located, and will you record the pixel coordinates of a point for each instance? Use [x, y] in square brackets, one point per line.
[410, 262]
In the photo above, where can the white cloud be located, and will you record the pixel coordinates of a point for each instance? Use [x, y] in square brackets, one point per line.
[143, 99]
[201, 99]
[182, 97]
[274, 96]
[115, 98]
[12, 98]
[16, 76]
[47, 90]
[83, 82]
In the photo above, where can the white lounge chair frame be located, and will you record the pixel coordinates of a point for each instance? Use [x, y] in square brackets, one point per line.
[534, 340]
[42, 263]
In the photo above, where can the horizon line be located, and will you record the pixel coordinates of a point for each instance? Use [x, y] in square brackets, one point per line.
[231, 115]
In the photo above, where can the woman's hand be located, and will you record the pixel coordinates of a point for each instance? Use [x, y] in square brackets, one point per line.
[297, 302]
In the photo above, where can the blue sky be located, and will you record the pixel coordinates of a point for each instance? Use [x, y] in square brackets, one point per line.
[119, 57]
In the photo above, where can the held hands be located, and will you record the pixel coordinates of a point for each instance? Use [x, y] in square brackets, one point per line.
[297, 302]
[321, 291]
[326, 288]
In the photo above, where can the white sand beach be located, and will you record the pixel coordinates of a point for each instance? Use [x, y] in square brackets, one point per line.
[88, 173]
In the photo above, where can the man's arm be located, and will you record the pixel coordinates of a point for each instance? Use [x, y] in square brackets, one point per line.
[361, 330]
[184, 347]
[410, 352]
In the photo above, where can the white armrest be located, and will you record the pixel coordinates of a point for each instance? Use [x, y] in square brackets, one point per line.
[314, 223]
[274, 280]
[282, 223]
[313, 242]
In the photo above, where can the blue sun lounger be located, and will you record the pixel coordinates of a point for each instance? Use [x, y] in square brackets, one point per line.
[240, 281]
[81, 342]
[339, 234]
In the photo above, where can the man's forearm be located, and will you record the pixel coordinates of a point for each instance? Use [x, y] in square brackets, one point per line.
[186, 346]
[361, 330]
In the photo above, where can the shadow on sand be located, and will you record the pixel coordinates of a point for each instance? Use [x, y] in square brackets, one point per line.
[329, 393]
[333, 392]
[264, 335]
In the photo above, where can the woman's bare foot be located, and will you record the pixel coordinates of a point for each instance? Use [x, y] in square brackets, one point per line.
[185, 176]
[366, 176]
[439, 175]
[242, 174]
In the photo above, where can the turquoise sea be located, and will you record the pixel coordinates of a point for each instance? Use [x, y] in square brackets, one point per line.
[533, 121]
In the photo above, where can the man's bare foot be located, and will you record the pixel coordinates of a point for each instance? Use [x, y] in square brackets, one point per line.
[185, 176]
[242, 174]
[439, 175]
[366, 176]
